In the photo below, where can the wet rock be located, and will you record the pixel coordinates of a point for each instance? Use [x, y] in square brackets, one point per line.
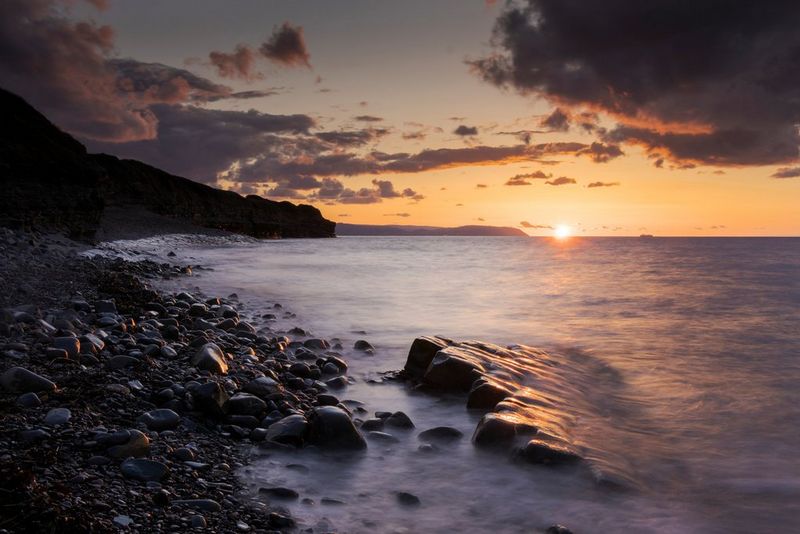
[263, 387]
[549, 453]
[183, 454]
[34, 435]
[485, 396]
[121, 362]
[211, 358]
[290, 430]
[441, 434]
[29, 400]
[300, 369]
[557, 529]
[123, 520]
[421, 354]
[494, 431]
[105, 306]
[339, 382]
[144, 470]
[372, 424]
[205, 505]
[280, 521]
[399, 420]
[326, 399]
[363, 345]
[450, 370]
[331, 427]
[245, 404]
[407, 499]
[57, 417]
[316, 343]
[71, 345]
[161, 419]
[280, 493]
[330, 369]
[135, 444]
[382, 436]
[210, 399]
[21, 380]
[198, 521]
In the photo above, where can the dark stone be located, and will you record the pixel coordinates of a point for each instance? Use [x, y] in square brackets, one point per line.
[210, 399]
[70, 344]
[441, 434]
[450, 370]
[557, 529]
[144, 470]
[407, 499]
[245, 404]
[494, 431]
[421, 354]
[485, 396]
[372, 424]
[549, 453]
[211, 358]
[326, 399]
[331, 427]
[29, 400]
[290, 430]
[20, 380]
[382, 436]
[263, 387]
[57, 417]
[280, 493]
[399, 420]
[161, 419]
[339, 382]
[205, 505]
[363, 345]
[131, 443]
[316, 343]
[300, 369]
[121, 362]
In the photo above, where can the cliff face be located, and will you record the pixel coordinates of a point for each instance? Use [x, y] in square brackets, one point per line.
[49, 181]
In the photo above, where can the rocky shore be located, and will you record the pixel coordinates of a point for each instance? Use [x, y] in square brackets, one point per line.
[123, 408]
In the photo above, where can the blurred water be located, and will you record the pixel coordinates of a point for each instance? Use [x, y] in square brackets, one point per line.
[685, 351]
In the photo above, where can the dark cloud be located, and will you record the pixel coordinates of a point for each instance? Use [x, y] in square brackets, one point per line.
[557, 121]
[523, 135]
[287, 46]
[603, 184]
[465, 131]
[787, 172]
[414, 135]
[711, 81]
[334, 191]
[600, 153]
[523, 179]
[526, 224]
[368, 118]
[238, 64]
[351, 138]
[561, 180]
[481, 186]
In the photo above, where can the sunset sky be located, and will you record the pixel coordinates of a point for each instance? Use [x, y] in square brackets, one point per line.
[615, 118]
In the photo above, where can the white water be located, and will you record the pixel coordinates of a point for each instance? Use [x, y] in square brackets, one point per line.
[684, 353]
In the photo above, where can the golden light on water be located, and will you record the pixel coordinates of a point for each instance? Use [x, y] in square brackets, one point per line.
[562, 231]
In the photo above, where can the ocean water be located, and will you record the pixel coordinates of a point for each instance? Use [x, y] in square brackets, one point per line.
[680, 373]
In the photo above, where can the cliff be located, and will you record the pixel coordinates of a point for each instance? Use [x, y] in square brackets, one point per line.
[50, 182]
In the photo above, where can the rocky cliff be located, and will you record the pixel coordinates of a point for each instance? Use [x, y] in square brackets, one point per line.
[49, 181]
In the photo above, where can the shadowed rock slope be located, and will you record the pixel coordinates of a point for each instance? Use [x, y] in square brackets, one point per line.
[48, 181]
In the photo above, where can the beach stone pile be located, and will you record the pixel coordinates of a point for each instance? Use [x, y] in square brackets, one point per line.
[523, 421]
[123, 408]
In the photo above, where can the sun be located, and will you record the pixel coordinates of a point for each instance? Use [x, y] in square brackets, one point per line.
[562, 231]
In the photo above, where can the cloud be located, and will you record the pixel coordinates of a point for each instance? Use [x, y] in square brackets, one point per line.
[526, 224]
[602, 184]
[561, 180]
[334, 191]
[716, 84]
[403, 214]
[368, 118]
[557, 121]
[465, 131]
[239, 64]
[481, 186]
[287, 46]
[522, 179]
[350, 138]
[600, 153]
[786, 172]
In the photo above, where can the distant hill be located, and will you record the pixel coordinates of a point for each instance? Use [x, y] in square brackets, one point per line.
[48, 181]
[344, 229]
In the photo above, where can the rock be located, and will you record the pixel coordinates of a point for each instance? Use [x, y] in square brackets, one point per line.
[99, 460]
[331, 427]
[382, 436]
[441, 434]
[316, 343]
[549, 453]
[57, 416]
[211, 358]
[485, 396]
[123, 520]
[198, 521]
[290, 430]
[245, 404]
[29, 400]
[280, 493]
[183, 454]
[494, 431]
[20, 380]
[339, 382]
[338, 362]
[363, 345]
[407, 499]
[372, 424]
[121, 362]
[330, 369]
[144, 470]
[557, 529]
[326, 399]
[210, 399]
[300, 369]
[263, 387]
[136, 444]
[34, 435]
[206, 505]
[198, 309]
[280, 521]
[161, 498]
[105, 306]
[450, 370]
[421, 354]
[161, 419]
[399, 420]
[69, 344]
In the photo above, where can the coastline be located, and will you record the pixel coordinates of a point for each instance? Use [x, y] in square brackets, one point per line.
[126, 407]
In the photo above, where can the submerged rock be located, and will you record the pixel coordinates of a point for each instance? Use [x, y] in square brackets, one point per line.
[399, 420]
[441, 434]
[330, 427]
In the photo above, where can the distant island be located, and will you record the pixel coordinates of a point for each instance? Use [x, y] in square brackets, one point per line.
[343, 229]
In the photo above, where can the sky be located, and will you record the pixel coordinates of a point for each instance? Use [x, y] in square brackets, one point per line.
[608, 117]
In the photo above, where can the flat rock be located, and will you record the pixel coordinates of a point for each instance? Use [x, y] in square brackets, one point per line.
[161, 419]
[280, 493]
[539, 451]
[21, 380]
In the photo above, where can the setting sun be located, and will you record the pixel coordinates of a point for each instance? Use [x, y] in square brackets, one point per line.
[562, 231]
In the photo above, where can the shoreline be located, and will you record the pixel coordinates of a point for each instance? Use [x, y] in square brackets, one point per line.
[125, 407]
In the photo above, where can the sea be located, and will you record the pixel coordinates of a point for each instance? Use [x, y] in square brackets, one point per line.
[680, 364]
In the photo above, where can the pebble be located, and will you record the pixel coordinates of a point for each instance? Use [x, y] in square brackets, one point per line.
[29, 400]
[144, 470]
[161, 419]
[57, 416]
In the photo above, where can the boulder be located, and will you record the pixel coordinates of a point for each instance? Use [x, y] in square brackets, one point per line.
[452, 370]
[210, 398]
[539, 451]
[330, 427]
[144, 470]
[70, 344]
[290, 430]
[494, 430]
[486, 395]
[245, 404]
[317, 344]
[211, 358]
[363, 345]
[441, 434]
[263, 387]
[421, 353]
[399, 420]
[20, 380]
[135, 444]
[161, 419]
